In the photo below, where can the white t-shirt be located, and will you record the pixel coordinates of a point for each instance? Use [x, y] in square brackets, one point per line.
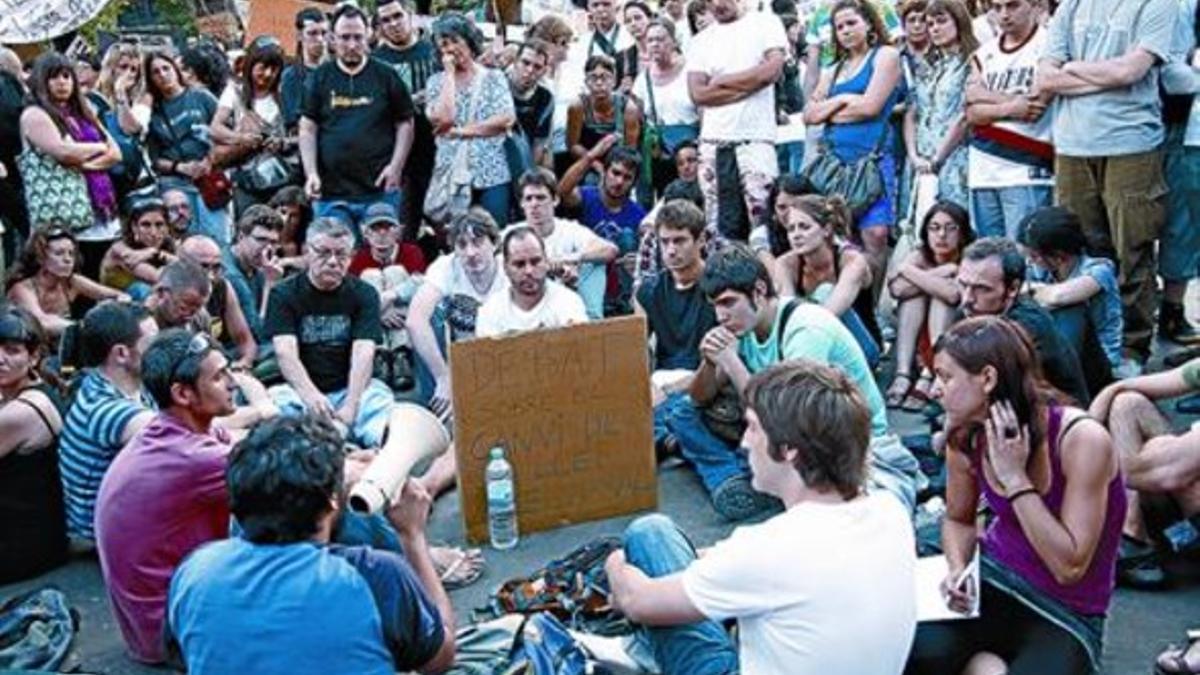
[820, 588]
[266, 107]
[568, 238]
[672, 102]
[996, 150]
[733, 47]
[461, 300]
[559, 306]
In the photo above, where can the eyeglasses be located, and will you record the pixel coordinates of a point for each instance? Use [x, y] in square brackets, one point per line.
[599, 77]
[326, 254]
[197, 348]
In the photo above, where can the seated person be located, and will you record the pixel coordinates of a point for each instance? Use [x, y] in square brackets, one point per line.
[989, 283]
[164, 494]
[294, 207]
[447, 303]
[927, 298]
[808, 429]
[1081, 292]
[757, 330]
[677, 313]
[394, 268]
[180, 297]
[179, 212]
[1161, 467]
[1052, 479]
[533, 301]
[252, 266]
[577, 256]
[33, 535]
[649, 262]
[109, 407]
[227, 323]
[769, 240]
[279, 598]
[608, 209]
[324, 325]
[821, 266]
[45, 281]
[134, 262]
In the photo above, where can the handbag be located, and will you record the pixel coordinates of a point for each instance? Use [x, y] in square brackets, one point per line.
[449, 192]
[663, 139]
[266, 172]
[53, 192]
[859, 182]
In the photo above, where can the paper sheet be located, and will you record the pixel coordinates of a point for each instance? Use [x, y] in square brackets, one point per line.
[931, 605]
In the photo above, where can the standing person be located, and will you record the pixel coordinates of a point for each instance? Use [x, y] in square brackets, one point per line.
[606, 36]
[916, 45]
[280, 597]
[414, 56]
[13, 212]
[855, 101]
[1052, 478]
[471, 109]
[356, 127]
[1011, 158]
[533, 103]
[662, 86]
[60, 126]
[312, 44]
[123, 105]
[1100, 62]
[808, 438]
[180, 143]
[33, 536]
[821, 37]
[935, 124]
[731, 69]
[631, 61]
[576, 255]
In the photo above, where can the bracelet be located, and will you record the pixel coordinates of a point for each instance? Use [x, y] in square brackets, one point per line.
[1021, 493]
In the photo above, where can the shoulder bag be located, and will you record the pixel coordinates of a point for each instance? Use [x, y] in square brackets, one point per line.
[450, 187]
[53, 192]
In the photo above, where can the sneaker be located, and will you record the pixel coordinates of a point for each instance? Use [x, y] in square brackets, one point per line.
[1189, 405]
[1174, 326]
[1138, 565]
[736, 499]
[1130, 367]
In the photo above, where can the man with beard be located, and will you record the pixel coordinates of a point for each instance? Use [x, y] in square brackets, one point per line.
[532, 301]
[356, 127]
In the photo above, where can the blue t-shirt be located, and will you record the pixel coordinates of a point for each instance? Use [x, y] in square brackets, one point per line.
[239, 607]
[618, 227]
[814, 333]
[1103, 308]
[91, 438]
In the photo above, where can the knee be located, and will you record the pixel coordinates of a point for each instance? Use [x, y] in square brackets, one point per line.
[1129, 405]
[648, 529]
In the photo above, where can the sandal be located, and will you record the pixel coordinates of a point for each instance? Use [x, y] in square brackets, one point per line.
[457, 567]
[1173, 660]
[919, 395]
[897, 393]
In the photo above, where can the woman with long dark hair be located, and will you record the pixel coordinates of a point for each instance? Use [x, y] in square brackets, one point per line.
[926, 295]
[1052, 480]
[61, 125]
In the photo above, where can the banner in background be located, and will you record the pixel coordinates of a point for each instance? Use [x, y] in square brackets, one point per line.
[26, 21]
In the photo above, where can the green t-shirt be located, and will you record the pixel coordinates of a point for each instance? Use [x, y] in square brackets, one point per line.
[820, 32]
[814, 333]
[1191, 373]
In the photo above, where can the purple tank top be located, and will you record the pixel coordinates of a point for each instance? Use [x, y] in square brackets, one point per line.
[1006, 543]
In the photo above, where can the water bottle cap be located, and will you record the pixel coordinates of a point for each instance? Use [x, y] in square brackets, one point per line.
[496, 453]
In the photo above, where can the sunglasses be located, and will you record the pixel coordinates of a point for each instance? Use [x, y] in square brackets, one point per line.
[198, 347]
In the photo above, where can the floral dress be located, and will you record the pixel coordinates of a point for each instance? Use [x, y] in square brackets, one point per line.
[486, 157]
[940, 95]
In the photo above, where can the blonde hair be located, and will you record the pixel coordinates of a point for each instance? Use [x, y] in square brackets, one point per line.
[108, 69]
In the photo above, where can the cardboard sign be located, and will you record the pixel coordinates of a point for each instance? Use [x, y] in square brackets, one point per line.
[278, 18]
[571, 408]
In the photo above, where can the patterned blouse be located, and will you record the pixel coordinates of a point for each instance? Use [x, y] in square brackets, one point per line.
[485, 155]
[940, 95]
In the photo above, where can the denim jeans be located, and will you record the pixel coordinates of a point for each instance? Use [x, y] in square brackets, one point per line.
[592, 284]
[663, 411]
[791, 158]
[998, 212]
[352, 210]
[854, 323]
[715, 460]
[374, 408]
[657, 547]
[1179, 248]
[208, 222]
[495, 200]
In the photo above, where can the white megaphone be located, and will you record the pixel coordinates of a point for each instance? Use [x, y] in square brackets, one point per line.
[414, 434]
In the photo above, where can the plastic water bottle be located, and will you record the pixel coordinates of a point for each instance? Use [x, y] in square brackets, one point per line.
[501, 501]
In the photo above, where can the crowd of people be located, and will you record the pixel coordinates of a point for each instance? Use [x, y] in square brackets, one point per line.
[227, 265]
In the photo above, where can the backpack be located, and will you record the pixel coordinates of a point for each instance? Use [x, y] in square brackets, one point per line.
[573, 588]
[36, 629]
[542, 646]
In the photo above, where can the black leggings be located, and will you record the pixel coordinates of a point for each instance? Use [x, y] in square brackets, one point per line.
[1026, 641]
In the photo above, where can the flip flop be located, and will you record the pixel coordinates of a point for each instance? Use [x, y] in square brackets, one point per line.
[1173, 659]
[919, 395]
[463, 569]
[896, 394]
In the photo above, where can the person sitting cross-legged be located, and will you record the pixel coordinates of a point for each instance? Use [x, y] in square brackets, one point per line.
[793, 581]
[756, 330]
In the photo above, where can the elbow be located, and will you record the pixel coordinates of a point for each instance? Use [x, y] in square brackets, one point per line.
[1069, 574]
[443, 660]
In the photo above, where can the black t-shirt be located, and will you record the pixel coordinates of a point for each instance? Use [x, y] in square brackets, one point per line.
[678, 319]
[356, 116]
[535, 113]
[1060, 361]
[179, 127]
[291, 92]
[12, 102]
[414, 65]
[325, 323]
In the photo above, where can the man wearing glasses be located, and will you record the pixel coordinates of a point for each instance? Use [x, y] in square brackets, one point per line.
[356, 127]
[325, 325]
[227, 323]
